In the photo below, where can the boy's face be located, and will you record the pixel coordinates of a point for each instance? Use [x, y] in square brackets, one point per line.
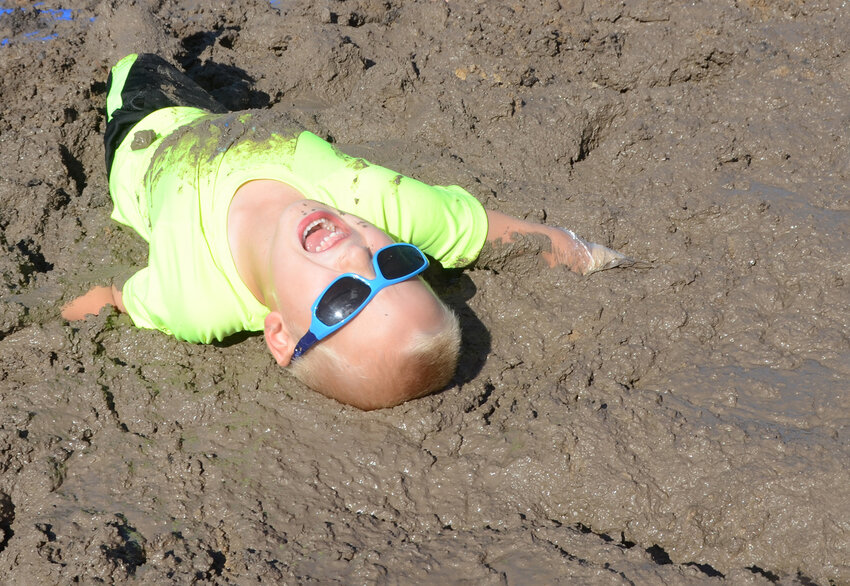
[313, 245]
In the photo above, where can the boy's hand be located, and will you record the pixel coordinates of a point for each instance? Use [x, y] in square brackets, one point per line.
[584, 257]
[92, 302]
[565, 248]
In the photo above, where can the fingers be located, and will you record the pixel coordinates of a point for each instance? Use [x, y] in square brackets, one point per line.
[573, 252]
[585, 258]
[89, 303]
[71, 310]
[605, 258]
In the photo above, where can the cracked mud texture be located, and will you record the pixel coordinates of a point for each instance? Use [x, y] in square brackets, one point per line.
[685, 424]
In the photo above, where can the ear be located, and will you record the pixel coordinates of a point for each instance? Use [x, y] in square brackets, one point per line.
[278, 338]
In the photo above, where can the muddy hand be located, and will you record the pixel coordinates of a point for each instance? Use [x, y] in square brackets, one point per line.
[605, 258]
[584, 257]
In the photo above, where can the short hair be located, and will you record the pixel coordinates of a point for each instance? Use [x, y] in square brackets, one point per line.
[426, 365]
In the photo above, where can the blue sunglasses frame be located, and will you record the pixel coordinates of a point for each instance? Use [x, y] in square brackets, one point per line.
[319, 330]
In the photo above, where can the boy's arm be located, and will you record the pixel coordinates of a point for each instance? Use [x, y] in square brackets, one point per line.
[509, 237]
[92, 302]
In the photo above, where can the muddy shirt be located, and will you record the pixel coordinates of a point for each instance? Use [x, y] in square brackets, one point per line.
[173, 180]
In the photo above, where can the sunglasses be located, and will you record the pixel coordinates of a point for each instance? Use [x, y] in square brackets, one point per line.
[349, 293]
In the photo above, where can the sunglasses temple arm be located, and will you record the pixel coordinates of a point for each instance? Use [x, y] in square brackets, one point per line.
[304, 344]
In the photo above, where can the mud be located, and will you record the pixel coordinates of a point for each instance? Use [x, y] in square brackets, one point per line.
[684, 424]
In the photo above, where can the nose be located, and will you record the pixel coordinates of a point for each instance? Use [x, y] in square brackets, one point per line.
[357, 259]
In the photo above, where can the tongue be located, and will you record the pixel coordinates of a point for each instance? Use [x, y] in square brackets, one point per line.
[314, 239]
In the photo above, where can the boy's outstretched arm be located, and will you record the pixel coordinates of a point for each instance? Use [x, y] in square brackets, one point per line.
[92, 302]
[509, 237]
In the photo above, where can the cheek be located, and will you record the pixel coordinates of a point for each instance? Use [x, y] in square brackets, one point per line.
[376, 238]
[299, 286]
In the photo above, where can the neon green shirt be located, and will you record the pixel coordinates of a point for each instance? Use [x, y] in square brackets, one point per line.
[174, 188]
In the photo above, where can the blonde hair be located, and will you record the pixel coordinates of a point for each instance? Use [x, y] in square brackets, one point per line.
[426, 365]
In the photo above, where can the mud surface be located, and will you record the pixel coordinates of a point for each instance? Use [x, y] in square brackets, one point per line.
[685, 424]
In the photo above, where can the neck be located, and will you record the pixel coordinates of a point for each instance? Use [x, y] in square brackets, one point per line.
[251, 223]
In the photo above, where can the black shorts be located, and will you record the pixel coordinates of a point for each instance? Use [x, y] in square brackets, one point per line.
[151, 84]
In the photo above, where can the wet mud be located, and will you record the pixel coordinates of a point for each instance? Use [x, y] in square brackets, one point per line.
[684, 424]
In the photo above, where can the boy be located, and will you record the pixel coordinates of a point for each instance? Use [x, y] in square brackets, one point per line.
[255, 226]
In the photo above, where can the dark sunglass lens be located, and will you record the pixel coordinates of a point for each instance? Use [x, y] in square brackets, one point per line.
[396, 262]
[341, 300]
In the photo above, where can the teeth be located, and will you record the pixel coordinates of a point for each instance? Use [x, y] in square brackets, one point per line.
[324, 223]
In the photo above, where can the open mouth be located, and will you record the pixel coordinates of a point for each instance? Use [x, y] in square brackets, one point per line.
[319, 231]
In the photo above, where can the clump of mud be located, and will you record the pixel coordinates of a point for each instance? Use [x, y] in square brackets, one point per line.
[682, 424]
